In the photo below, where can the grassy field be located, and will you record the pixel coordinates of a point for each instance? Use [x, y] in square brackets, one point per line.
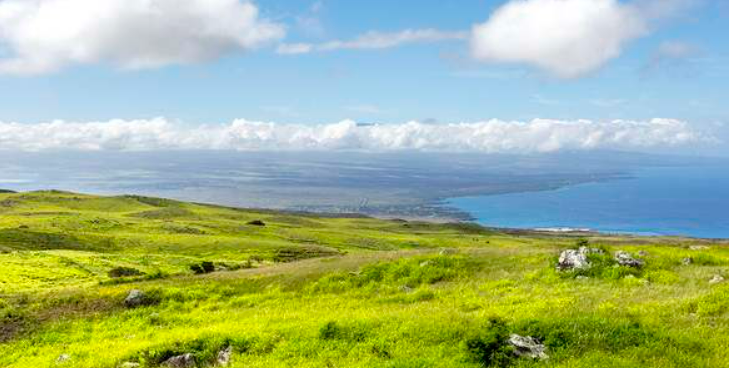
[295, 290]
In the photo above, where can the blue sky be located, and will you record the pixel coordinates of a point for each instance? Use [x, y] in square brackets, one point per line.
[676, 66]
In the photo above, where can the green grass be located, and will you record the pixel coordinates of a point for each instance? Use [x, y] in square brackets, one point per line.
[308, 291]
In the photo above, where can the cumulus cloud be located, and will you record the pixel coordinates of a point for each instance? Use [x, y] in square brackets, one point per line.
[568, 38]
[375, 40]
[492, 136]
[41, 36]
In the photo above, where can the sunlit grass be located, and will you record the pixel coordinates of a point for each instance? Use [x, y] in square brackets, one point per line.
[384, 295]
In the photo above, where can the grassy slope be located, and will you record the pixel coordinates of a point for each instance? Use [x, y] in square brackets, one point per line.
[374, 293]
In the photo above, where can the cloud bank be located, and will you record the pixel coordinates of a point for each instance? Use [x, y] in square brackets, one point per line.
[41, 36]
[492, 136]
[375, 40]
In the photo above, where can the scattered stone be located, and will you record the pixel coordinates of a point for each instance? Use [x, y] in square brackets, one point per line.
[180, 361]
[625, 259]
[687, 261]
[716, 279]
[527, 347]
[571, 259]
[136, 298]
[224, 356]
[257, 223]
[448, 251]
[425, 264]
[63, 358]
[698, 247]
[129, 365]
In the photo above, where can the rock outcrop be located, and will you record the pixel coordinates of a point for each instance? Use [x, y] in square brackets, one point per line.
[180, 361]
[576, 259]
[627, 260]
[717, 279]
[224, 356]
[527, 347]
[136, 298]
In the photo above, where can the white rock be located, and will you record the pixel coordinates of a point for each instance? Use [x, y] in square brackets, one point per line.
[527, 347]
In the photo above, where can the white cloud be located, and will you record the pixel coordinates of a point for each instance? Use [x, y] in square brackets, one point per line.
[492, 136]
[43, 36]
[376, 40]
[568, 38]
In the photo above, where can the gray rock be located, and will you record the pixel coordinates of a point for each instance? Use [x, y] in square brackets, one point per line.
[527, 347]
[181, 361]
[627, 260]
[448, 251]
[63, 358]
[687, 261]
[224, 356]
[717, 279]
[129, 365]
[136, 298]
[426, 264]
[572, 259]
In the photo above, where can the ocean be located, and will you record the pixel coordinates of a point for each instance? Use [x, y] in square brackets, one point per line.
[688, 201]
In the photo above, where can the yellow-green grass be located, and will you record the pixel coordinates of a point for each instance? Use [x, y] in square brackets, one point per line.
[383, 296]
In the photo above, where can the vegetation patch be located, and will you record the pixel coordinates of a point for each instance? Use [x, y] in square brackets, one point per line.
[204, 350]
[405, 273]
[118, 272]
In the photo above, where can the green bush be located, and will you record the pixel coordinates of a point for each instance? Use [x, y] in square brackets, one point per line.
[124, 272]
[202, 267]
[490, 348]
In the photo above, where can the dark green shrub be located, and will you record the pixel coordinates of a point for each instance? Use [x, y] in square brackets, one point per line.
[124, 272]
[490, 348]
[329, 331]
[202, 267]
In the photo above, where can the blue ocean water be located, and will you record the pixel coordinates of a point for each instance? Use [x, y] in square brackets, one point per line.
[689, 201]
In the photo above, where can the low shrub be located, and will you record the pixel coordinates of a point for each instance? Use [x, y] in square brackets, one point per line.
[490, 347]
[124, 272]
[202, 267]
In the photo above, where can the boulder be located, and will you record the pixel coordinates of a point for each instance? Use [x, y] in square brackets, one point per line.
[63, 358]
[627, 260]
[136, 298]
[527, 347]
[717, 279]
[575, 259]
[687, 261]
[256, 223]
[181, 361]
[572, 259]
[224, 356]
